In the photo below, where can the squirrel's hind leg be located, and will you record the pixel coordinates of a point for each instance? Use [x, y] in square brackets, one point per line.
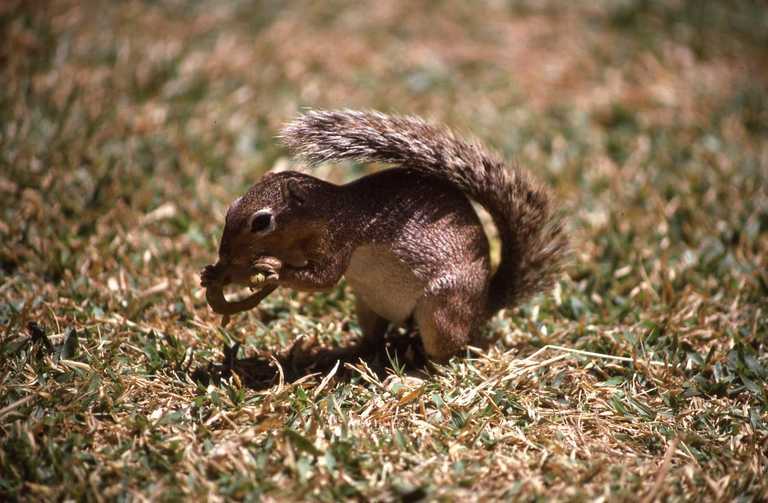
[446, 322]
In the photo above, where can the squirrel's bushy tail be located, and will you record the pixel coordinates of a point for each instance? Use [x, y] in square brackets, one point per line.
[533, 241]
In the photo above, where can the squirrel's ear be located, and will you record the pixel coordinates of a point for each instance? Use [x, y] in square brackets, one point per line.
[293, 191]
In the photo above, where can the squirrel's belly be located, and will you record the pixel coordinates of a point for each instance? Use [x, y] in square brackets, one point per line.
[384, 282]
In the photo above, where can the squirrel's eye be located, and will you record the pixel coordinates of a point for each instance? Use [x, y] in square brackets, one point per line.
[261, 222]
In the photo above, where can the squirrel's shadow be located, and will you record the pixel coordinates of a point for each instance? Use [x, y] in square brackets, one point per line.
[261, 372]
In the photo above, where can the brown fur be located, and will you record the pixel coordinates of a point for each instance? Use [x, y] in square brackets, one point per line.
[407, 238]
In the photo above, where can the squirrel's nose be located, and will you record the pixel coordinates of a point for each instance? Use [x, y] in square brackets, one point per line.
[222, 270]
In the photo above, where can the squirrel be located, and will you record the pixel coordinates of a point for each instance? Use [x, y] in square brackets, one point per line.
[406, 238]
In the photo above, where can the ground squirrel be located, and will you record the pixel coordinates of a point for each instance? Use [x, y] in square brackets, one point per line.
[407, 238]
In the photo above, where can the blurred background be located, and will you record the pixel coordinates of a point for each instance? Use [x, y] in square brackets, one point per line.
[128, 127]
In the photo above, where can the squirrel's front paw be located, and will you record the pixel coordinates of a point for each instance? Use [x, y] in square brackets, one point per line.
[266, 271]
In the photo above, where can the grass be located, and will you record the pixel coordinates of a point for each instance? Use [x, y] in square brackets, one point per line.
[126, 129]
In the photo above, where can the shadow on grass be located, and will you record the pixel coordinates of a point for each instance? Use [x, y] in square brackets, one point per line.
[398, 351]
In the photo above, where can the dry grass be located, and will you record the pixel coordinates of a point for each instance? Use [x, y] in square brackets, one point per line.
[127, 128]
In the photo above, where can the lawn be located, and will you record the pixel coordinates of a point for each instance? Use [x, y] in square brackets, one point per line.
[127, 128]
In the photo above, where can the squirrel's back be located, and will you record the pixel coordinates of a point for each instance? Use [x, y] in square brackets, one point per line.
[532, 237]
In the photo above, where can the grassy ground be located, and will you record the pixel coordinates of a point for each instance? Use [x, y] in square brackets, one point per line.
[126, 128]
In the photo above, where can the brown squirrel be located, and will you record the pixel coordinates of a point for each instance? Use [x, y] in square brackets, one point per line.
[407, 238]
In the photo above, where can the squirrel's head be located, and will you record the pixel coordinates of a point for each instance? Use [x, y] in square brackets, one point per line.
[269, 220]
